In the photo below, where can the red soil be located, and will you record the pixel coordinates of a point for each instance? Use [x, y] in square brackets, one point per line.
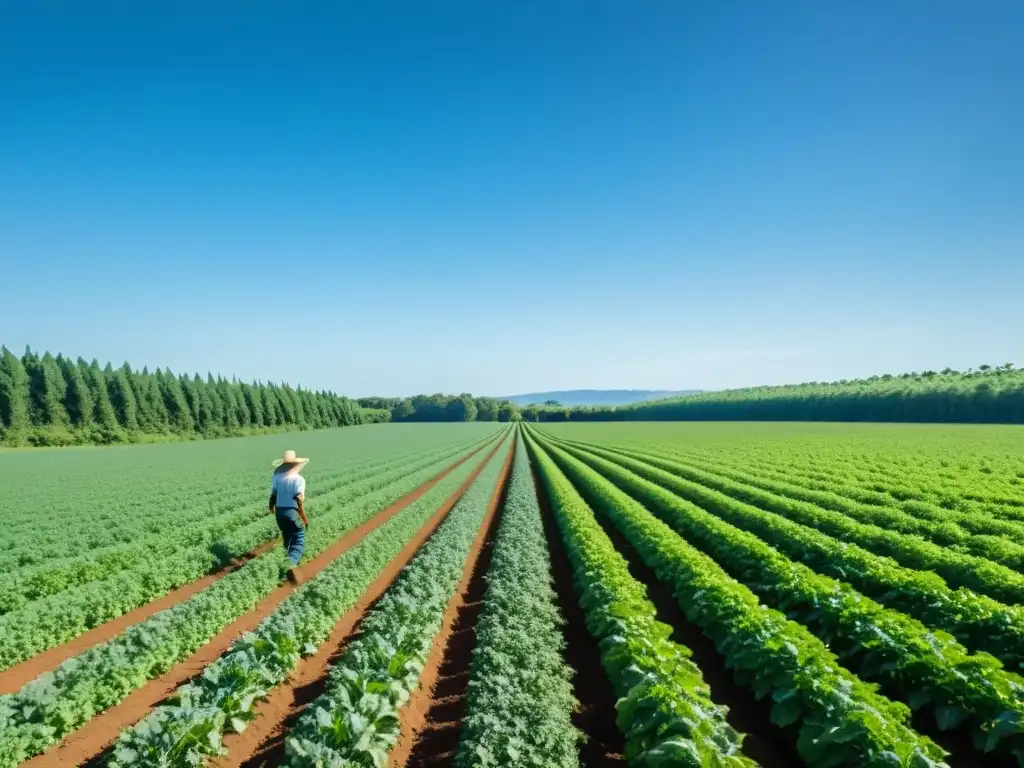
[262, 743]
[604, 746]
[426, 718]
[101, 731]
[432, 718]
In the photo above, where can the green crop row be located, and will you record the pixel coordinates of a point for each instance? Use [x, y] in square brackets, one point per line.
[355, 722]
[979, 622]
[929, 668]
[519, 698]
[959, 570]
[47, 709]
[665, 709]
[190, 730]
[841, 719]
[59, 618]
[91, 499]
[25, 585]
[970, 532]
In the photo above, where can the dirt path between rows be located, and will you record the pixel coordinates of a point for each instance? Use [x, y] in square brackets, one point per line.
[100, 732]
[433, 715]
[263, 742]
[433, 718]
[604, 745]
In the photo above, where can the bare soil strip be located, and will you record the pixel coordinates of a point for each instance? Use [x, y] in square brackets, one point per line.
[101, 731]
[766, 743]
[595, 716]
[262, 743]
[444, 703]
[424, 714]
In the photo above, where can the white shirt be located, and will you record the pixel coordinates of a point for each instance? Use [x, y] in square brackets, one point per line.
[287, 485]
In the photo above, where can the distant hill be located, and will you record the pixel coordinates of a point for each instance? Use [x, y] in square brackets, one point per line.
[577, 397]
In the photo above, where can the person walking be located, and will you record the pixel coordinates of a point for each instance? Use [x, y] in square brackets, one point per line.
[287, 494]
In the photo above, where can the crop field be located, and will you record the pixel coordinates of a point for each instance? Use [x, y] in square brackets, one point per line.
[555, 595]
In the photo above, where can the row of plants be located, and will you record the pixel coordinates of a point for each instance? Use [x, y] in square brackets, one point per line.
[664, 709]
[841, 719]
[519, 699]
[930, 669]
[191, 729]
[210, 532]
[356, 721]
[59, 618]
[970, 530]
[911, 480]
[53, 705]
[95, 499]
[958, 569]
[979, 622]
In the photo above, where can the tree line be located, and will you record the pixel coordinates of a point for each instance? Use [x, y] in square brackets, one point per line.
[47, 400]
[987, 395]
[440, 407]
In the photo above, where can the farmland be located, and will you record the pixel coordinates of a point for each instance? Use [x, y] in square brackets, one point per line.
[485, 594]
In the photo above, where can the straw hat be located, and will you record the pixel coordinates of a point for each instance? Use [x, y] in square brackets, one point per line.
[289, 459]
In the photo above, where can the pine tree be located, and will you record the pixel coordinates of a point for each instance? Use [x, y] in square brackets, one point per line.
[46, 387]
[14, 397]
[179, 413]
[244, 415]
[216, 404]
[227, 397]
[206, 413]
[188, 389]
[155, 406]
[254, 399]
[122, 398]
[103, 410]
[78, 400]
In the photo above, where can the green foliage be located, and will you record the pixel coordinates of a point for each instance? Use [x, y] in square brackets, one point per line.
[223, 698]
[979, 622]
[519, 698]
[993, 395]
[355, 721]
[45, 710]
[53, 401]
[440, 407]
[664, 702]
[929, 668]
[841, 719]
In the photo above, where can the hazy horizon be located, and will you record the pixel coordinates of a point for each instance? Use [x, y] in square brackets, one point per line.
[513, 199]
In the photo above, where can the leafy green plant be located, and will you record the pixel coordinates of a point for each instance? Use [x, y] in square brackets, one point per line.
[929, 668]
[519, 698]
[841, 719]
[355, 721]
[665, 710]
[224, 696]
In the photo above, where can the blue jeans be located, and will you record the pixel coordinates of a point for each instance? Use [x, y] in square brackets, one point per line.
[293, 532]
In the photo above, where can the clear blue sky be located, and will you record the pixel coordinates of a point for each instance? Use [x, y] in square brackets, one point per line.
[499, 197]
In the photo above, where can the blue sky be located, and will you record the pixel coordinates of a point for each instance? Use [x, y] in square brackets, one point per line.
[501, 197]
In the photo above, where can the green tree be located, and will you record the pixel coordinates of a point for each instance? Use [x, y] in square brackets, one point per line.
[179, 412]
[14, 397]
[78, 400]
[103, 413]
[122, 398]
[47, 388]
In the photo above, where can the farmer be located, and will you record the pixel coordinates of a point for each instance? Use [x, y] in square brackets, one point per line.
[287, 492]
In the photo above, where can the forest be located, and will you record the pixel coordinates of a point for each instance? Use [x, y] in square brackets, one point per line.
[440, 407]
[48, 400]
[986, 395]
